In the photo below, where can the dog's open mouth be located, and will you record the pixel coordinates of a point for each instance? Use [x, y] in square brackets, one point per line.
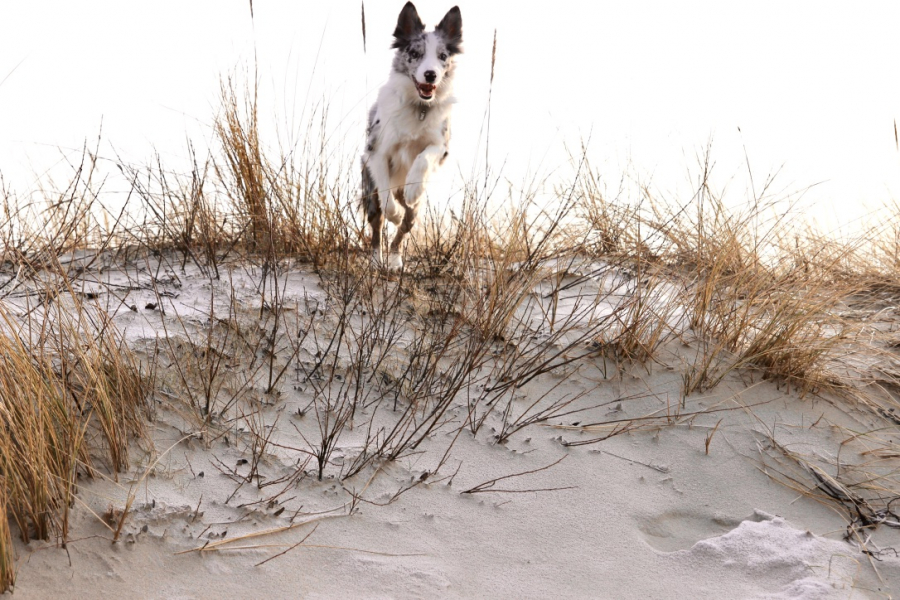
[426, 90]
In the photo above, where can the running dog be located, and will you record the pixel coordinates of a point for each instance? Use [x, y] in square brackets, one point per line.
[409, 126]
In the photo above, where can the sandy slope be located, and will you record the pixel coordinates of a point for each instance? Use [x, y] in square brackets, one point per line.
[644, 514]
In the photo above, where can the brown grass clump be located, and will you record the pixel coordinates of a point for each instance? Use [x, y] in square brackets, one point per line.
[71, 396]
[759, 290]
[291, 202]
[7, 557]
[238, 132]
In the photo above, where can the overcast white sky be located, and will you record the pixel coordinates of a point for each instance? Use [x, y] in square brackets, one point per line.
[811, 85]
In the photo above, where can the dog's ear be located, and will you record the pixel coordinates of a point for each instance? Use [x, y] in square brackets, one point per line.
[409, 25]
[450, 29]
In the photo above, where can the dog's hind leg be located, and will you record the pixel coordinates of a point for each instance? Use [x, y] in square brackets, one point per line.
[374, 214]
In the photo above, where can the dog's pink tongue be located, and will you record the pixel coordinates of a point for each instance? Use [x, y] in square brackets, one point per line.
[426, 88]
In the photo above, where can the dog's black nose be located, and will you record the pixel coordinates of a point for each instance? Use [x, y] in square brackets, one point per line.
[430, 76]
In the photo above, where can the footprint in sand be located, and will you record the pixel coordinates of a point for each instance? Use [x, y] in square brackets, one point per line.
[679, 529]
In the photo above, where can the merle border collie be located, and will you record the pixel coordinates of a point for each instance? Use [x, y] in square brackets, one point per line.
[409, 126]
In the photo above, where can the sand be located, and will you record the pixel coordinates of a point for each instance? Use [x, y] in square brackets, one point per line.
[688, 508]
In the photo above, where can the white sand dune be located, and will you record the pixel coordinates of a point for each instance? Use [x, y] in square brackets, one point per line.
[657, 511]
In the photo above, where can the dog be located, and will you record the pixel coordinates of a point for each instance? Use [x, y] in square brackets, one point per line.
[409, 126]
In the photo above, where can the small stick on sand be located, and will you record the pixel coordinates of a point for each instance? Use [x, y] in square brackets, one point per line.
[487, 486]
[215, 545]
[661, 469]
[283, 552]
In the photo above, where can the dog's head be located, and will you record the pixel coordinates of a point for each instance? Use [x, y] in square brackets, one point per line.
[427, 58]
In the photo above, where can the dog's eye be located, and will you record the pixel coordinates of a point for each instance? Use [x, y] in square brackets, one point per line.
[413, 54]
[443, 56]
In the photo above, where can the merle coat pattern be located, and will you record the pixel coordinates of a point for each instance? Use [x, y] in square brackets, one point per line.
[409, 125]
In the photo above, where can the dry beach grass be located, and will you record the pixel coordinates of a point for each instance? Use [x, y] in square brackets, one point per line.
[400, 367]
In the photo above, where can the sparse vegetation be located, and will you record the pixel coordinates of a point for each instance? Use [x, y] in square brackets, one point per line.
[494, 296]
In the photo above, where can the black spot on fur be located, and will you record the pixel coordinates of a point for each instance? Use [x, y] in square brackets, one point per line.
[369, 199]
[372, 131]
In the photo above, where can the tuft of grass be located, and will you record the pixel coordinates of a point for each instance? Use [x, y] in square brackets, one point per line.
[7, 556]
[72, 396]
[759, 291]
[297, 201]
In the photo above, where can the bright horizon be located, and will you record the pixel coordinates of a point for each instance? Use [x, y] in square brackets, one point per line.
[803, 88]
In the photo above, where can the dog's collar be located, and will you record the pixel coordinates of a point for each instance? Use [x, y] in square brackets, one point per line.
[423, 111]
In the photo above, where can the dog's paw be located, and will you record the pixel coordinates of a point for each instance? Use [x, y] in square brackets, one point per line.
[395, 261]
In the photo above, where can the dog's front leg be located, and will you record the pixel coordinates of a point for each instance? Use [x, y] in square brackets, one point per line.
[413, 190]
[419, 172]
